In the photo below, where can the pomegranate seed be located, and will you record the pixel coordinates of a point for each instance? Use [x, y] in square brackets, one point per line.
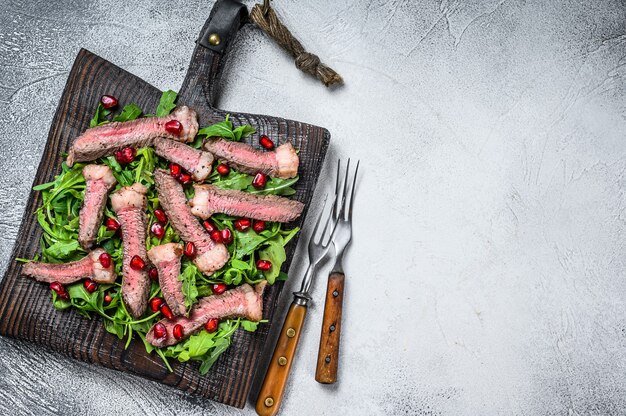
[129, 153]
[178, 331]
[175, 170]
[64, 295]
[137, 263]
[259, 226]
[219, 288]
[266, 142]
[159, 330]
[111, 224]
[57, 287]
[166, 311]
[211, 325]
[216, 236]
[154, 274]
[227, 236]
[90, 285]
[259, 180]
[209, 226]
[264, 265]
[155, 304]
[108, 101]
[119, 156]
[160, 216]
[223, 169]
[108, 298]
[174, 127]
[242, 224]
[184, 178]
[105, 260]
[190, 249]
[157, 230]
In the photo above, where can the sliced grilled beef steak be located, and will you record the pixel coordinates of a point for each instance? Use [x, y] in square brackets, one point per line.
[194, 161]
[280, 163]
[66, 273]
[210, 199]
[242, 302]
[166, 258]
[106, 139]
[99, 180]
[210, 255]
[129, 203]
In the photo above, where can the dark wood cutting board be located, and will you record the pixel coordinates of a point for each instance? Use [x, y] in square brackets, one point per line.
[26, 311]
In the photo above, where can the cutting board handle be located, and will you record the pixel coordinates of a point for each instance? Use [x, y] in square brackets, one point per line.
[207, 61]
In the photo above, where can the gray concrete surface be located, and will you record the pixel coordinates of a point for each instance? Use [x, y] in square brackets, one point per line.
[487, 274]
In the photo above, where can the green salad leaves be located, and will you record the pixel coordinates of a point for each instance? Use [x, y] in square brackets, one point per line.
[59, 217]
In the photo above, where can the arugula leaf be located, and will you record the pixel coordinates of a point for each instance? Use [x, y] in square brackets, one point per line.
[188, 277]
[275, 253]
[249, 326]
[225, 129]
[276, 186]
[243, 131]
[100, 116]
[129, 112]
[166, 103]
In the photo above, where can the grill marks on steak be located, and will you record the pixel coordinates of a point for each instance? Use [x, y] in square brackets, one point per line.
[210, 199]
[241, 302]
[129, 203]
[280, 163]
[106, 139]
[99, 180]
[66, 273]
[166, 258]
[210, 256]
[194, 161]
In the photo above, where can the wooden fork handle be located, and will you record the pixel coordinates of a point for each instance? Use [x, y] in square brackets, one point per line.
[271, 394]
[328, 355]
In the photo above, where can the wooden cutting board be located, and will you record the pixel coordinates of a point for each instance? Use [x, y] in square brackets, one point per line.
[26, 311]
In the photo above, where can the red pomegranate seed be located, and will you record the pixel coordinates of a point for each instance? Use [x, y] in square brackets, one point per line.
[219, 288]
[223, 169]
[90, 285]
[108, 298]
[108, 101]
[159, 330]
[160, 216]
[266, 142]
[137, 263]
[178, 331]
[111, 224]
[155, 304]
[209, 226]
[211, 325]
[166, 311]
[242, 224]
[190, 249]
[227, 236]
[154, 274]
[175, 170]
[105, 260]
[264, 265]
[157, 230]
[259, 226]
[57, 287]
[64, 295]
[174, 127]
[129, 154]
[259, 181]
[119, 156]
[184, 178]
[216, 236]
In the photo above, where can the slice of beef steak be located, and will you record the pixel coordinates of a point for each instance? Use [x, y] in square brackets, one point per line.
[106, 139]
[66, 273]
[194, 161]
[99, 180]
[210, 199]
[166, 258]
[280, 163]
[210, 256]
[129, 203]
[242, 302]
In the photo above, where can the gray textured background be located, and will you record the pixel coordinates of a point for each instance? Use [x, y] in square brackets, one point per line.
[487, 274]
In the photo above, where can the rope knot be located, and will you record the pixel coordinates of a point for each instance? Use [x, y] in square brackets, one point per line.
[307, 62]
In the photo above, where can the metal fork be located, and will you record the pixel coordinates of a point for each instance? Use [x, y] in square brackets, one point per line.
[328, 355]
[273, 388]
